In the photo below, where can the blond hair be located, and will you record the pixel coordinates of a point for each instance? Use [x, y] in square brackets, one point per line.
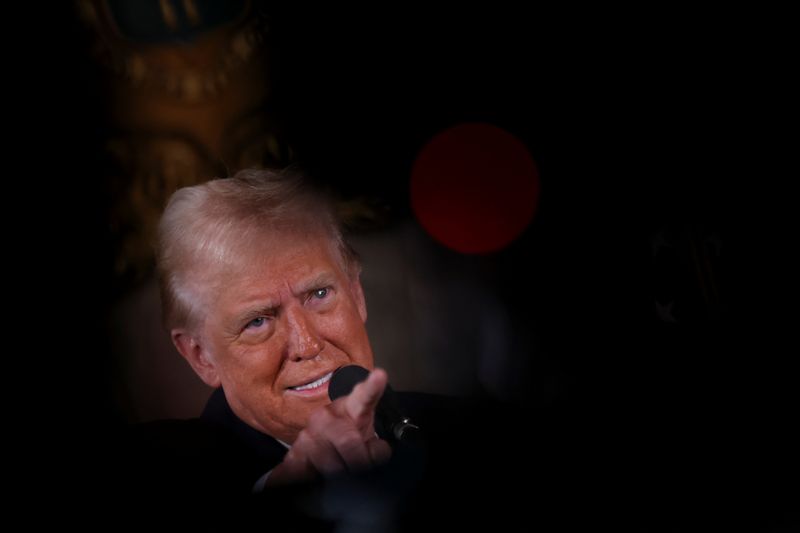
[208, 227]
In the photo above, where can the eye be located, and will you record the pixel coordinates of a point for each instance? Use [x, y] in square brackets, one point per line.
[319, 294]
[256, 323]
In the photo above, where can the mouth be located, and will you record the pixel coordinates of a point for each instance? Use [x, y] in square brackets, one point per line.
[319, 384]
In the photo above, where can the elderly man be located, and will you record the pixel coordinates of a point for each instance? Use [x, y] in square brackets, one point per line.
[262, 297]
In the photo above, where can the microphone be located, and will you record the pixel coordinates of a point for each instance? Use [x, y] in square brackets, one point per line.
[390, 423]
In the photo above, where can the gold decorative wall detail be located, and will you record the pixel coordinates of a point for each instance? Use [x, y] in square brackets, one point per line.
[187, 99]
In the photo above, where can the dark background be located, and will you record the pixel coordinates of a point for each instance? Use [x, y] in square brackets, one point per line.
[638, 121]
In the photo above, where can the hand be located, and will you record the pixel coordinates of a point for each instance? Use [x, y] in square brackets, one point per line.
[339, 436]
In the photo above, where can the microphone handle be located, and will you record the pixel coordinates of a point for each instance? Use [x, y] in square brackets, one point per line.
[405, 430]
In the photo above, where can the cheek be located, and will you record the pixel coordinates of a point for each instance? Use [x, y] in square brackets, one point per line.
[348, 332]
[252, 366]
[345, 323]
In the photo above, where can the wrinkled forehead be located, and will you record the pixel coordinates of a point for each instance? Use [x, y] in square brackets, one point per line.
[277, 248]
[255, 254]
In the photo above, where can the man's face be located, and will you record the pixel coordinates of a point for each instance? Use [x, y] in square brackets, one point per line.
[276, 331]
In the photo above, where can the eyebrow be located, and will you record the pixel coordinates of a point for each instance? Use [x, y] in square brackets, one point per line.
[243, 318]
[319, 281]
[269, 307]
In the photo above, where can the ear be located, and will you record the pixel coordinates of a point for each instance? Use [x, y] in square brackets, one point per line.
[358, 296]
[190, 348]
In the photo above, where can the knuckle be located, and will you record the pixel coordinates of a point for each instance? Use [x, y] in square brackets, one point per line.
[380, 451]
[301, 443]
[349, 438]
[319, 419]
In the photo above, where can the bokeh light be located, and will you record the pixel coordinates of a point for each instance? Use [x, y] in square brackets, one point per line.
[474, 188]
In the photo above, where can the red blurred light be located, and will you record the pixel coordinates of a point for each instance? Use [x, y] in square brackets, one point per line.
[474, 188]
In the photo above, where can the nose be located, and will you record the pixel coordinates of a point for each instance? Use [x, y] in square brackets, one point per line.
[304, 341]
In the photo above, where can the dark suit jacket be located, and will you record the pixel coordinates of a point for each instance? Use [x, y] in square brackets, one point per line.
[483, 466]
[480, 466]
[217, 457]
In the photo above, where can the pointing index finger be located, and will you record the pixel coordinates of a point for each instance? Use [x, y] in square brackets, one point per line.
[366, 395]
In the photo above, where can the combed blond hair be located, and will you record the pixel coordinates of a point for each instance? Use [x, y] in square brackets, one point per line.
[213, 226]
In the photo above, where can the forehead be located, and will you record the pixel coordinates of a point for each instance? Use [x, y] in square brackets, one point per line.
[277, 258]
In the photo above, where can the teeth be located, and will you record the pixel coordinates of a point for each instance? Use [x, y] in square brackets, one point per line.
[314, 384]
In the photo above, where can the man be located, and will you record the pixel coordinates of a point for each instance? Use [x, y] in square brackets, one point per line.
[262, 298]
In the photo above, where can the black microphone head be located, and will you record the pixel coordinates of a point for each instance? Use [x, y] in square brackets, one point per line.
[344, 379]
